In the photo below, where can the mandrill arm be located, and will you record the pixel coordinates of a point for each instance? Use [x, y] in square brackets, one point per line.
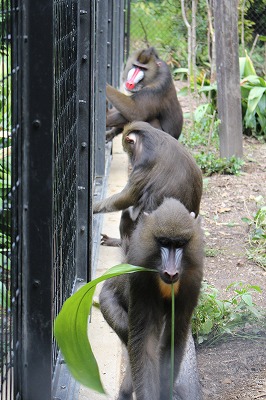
[138, 107]
[117, 202]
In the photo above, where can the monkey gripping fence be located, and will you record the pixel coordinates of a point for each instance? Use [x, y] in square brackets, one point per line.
[56, 56]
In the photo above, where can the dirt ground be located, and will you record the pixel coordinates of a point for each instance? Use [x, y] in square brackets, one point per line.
[233, 369]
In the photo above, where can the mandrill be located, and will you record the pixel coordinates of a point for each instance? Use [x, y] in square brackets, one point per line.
[161, 167]
[137, 306]
[150, 96]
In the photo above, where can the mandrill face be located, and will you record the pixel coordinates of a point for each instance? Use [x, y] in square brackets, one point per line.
[134, 77]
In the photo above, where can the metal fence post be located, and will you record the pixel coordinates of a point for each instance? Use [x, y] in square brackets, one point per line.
[100, 78]
[85, 155]
[37, 184]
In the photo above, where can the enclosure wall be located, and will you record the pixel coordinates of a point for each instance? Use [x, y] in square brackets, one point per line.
[56, 57]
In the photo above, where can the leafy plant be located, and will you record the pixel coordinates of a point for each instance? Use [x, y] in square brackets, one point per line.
[5, 89]
[213, 318]
[257, 234]
[204, 141]
[71, 330]
[210, 164]
[253, 97]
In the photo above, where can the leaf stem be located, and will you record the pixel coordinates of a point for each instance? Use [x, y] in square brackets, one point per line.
[172, 344]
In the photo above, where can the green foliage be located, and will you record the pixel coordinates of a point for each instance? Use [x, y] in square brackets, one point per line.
[210, 164]
[257, 234]
[160, 24]
[4, 296]
[253, 97]
[157, 24]
[71, 330]
[248, 24]
[210, 252]
[204, 140]
[206, 122]
[213, 318]
[5, 89]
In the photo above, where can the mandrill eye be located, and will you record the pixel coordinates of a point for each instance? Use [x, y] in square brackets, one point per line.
[164, 242]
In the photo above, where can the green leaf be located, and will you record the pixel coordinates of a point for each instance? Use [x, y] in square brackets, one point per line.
[71, 325]
[209, 88]
[200, 112]
[254, 97]
[207, 326]
[242, 62]
[181, 70]
[183, 91]
[247, 220]
[249, 67]
[4, 296]
[247, 298]
[173, 342]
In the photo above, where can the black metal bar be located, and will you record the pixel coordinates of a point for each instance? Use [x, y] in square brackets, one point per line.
[100, 77]
[115, 44]
[37, 200]
[84, 149]
[109, 42]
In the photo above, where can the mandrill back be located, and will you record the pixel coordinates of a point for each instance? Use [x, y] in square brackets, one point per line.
[162, 167]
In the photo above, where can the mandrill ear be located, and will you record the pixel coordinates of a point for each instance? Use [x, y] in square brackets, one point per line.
[198, 218]
[131, 138]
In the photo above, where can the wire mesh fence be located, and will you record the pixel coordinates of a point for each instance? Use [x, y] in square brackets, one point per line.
[8, 278]
[65, 153]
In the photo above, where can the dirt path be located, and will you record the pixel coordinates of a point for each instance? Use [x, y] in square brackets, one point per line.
[235, 369]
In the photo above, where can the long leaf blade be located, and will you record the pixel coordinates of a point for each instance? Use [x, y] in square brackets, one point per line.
[71, 329]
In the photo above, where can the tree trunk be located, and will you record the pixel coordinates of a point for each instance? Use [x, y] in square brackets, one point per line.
[194, 43]
[228, 78]
[188, 51]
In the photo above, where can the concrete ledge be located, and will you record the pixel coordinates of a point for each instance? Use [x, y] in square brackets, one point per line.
[105, 344]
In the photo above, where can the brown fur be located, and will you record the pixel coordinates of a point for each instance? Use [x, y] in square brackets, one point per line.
[161, 167]
[154, 99]
[138, 306]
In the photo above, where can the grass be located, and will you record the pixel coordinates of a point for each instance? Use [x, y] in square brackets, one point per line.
[214, 318]
[256, 250]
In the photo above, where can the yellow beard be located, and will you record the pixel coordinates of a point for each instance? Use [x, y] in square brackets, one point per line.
[166, 289]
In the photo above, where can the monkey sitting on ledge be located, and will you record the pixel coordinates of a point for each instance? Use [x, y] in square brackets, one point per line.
[138, 306]
[161, 167]
[151, 96]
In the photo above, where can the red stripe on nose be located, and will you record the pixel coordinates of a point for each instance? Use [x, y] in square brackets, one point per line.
[130, 83]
